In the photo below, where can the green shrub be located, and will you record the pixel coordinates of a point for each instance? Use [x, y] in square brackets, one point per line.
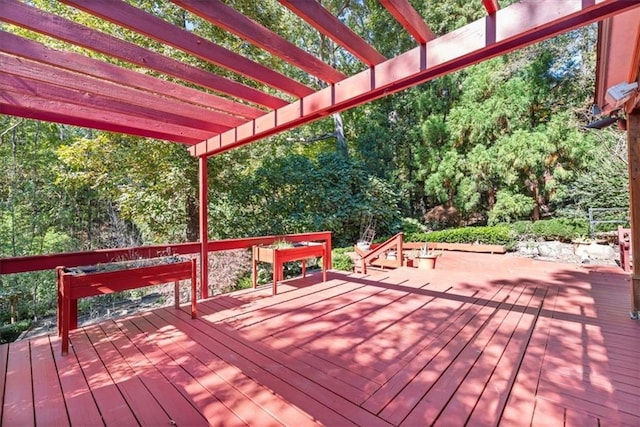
[411, 226]
[562, 229]
[494, 235]
[9, 333]
[341, 261]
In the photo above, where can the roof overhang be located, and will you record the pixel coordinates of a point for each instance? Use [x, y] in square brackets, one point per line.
[618, 57]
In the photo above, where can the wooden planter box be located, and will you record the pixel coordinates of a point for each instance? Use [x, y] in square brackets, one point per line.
[278, 256]
[73, 285]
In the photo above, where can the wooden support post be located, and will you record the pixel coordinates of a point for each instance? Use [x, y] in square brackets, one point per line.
[633, 146]
[204, 229]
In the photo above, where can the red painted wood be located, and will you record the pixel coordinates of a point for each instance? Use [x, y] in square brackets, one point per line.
[424, 354]
[473, 43]
[169, 358]
[481, 341]
[109, 398]
[399, 410]
[229, 19]
[410, 19]
[203, 197]
[491, 6]
[4, 354]
[140, 399]
[84, 113]
[271, 375]
[72, 287]
[18, 395]
[144, 23]
[31, 78]
[37, 20]
[226, 381]
[77, 89]
[71, 119]
[515, 386]
[179, 409]
[28, 49]
[51, 261]
[81, 406]
[320, 18]
[48, 399]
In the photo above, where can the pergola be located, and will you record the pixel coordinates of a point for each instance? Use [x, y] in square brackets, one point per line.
[42, 83]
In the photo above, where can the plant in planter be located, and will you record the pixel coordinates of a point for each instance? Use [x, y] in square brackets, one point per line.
[427, 259]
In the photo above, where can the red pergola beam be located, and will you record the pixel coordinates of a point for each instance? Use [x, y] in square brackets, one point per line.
[26, 86]
[410, 19]
[28, 49]
[82, 112]
[227, 18]
[30, 112]
[511, 28]
[125, 15]
[320, 18]
[112, 97]
[29, 17]
[491, 6]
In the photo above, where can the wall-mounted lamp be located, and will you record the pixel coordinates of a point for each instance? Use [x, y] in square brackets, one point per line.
[620, 93]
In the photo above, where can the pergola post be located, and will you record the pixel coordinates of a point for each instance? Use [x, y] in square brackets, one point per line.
[633, 147]
[204, 236]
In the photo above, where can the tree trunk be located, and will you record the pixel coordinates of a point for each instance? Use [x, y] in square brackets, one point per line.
[192, 219]
[339, 133]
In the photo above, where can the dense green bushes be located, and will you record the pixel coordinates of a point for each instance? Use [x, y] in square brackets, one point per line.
[495, 235]
[562, 229]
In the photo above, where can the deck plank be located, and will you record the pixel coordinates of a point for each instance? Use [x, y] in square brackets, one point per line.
[405, 401]
[305, 394]
[81, 406]
[429, 349]
[112, 404]
[460, 404]
[178, 409]
[175, 364]
[18, 400]
[50, 409]
[247, 400]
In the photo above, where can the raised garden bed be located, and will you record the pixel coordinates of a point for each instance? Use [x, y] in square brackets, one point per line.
[81, 282]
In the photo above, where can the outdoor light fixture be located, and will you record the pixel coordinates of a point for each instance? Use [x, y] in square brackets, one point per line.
[620, 93]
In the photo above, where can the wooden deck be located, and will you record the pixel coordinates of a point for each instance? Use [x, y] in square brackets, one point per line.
[482, 340]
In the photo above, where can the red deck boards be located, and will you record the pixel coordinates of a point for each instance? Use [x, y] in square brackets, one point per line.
[481, 340]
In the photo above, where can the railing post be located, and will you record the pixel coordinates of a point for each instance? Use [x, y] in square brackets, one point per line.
[633, 147]
[204, 230]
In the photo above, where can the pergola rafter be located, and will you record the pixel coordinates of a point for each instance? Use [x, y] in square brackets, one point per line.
[127, 16]
[227, 18]
[323, 21]
[410, 19]
[33, 19]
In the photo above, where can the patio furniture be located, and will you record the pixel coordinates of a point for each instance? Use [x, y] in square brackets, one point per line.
[82, 282]
[278, 256]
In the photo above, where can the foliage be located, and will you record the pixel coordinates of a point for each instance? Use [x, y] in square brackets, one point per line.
[341, 261]
[411, 225]
[494, 235]
[9, 333]
[562, 229]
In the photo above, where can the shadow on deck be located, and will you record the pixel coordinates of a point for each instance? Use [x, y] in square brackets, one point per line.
[482, 340]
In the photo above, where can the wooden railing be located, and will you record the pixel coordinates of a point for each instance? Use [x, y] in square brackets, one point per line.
[27, 264]
[370, 257]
